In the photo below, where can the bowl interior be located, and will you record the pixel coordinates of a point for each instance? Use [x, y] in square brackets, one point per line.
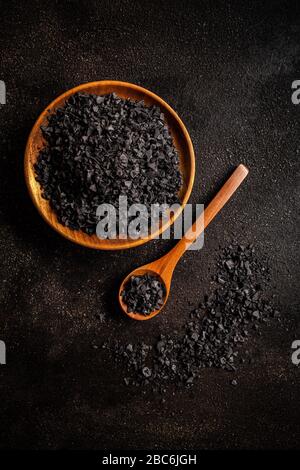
[179, 133]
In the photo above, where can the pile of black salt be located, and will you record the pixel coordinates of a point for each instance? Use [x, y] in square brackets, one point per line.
[214, 334]
[143, 294]
[101, 147]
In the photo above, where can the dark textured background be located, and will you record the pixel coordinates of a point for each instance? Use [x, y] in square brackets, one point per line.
[227, 68]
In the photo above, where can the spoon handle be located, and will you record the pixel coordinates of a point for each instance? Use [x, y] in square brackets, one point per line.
[219, 201]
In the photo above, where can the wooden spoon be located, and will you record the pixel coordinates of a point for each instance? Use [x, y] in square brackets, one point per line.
[164, 267]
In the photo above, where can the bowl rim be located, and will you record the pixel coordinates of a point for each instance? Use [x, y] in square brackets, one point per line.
[61, 229]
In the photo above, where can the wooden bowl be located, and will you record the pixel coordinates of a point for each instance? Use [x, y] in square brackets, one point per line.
[179, 133]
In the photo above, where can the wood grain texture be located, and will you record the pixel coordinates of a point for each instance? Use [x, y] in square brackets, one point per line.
[178, 131]
[164, 266]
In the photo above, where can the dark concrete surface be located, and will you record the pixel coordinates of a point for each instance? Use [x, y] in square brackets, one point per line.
[227, 68]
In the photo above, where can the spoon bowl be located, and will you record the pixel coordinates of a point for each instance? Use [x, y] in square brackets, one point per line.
[141, 271]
